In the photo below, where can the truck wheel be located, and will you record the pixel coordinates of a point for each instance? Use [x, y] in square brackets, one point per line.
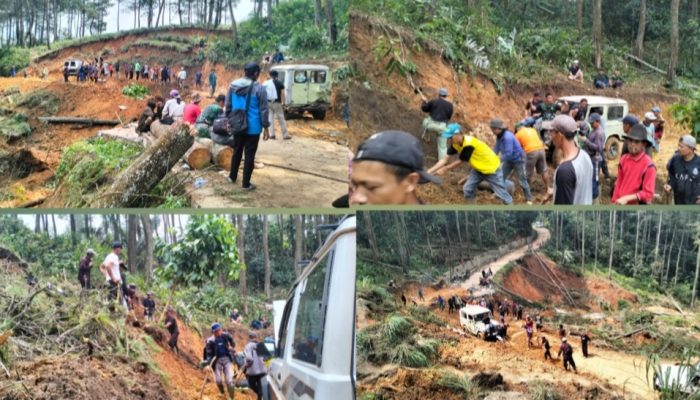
[613, 147]
[319, 115]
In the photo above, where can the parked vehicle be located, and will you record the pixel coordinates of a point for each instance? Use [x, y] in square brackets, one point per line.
[678, 378]
[73, 66]
[315, 352]
[306, 88]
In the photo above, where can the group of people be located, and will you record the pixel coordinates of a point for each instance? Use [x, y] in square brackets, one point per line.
[600, 80]
[262, 103]
[388, 167]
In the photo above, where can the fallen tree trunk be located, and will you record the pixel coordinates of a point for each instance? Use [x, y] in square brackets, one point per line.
[221, 156]
[74, 120]
[145, 172]
[644, 63]
[630, 333]
[199, 155]
[158, 130]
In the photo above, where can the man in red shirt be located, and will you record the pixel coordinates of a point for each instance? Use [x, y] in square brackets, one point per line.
[193, 110]
[636, 176]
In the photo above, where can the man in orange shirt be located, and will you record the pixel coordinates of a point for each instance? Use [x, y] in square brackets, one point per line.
[534, 149]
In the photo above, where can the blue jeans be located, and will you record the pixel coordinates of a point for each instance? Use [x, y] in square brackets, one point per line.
[519, 167]
[496, 180]
[596, 178]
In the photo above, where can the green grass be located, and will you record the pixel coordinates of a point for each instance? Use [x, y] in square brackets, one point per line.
[541, 390]
[86, 165]
[458, 383]
[159, 44]
[135, 91]
[43, 101]
[15, 126]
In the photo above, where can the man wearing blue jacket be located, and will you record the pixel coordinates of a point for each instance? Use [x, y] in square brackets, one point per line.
[512, 155]
[258, 121]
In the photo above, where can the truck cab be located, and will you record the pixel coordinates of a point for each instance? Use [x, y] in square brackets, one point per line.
[307, 87]
[315, 352]
[612, 110]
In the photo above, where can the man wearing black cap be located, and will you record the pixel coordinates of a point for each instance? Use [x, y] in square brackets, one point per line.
[246, 93]
[594, 144]
[573, 178]
[636, 175]
[628, 122]
[684, 172]
[440, 112]
[387, 170]
[110, 267]
[219, 352]
[84, 269]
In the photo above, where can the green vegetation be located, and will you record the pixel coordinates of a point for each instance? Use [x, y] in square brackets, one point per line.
[13, 57]
[671, 388]
[687, 113]
[42, 100]
[292, 25]
[135, 91]
[395, 340]
[86, 165]
[529, 42]
[458, 383]
[541, 390]
[15, 126]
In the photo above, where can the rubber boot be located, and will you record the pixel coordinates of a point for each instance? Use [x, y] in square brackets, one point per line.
[221, 388]
[231, 389]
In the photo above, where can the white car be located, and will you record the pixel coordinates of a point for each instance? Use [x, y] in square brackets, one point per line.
[472, 317]
[683, 378]
[315, 356]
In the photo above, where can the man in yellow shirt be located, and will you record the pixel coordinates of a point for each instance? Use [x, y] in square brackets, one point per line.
[535, 152]
[485, 165]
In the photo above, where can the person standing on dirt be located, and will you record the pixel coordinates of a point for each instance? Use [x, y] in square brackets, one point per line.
[535, 156]
[485, 165]
[13, 72]
[164, 78]
[659, 125]
[387, 169]
[192, 110]
[403, 299]
[684, 173]
[519, 311]
[275, 99]
[512, 155]
[568, 355]
[594, 145]
[649, 121]
[137, 69]
[575, 72]
[44, 73]
[110, 267]
[636, 176]
[584, 344]
[149, 306]
[255, 368]
[529, 327]
[562, 332]
[440, 113]
[246, 93]
[198, 79]
[84, 269]
[538, 323]
[116, 69]
[181, 77]
[174, 109]
[212, 83]
[547, 347]
[450, 304]
[147, 117]
[420, 294]
[441, 302]
[573, 178]
[171, 326]
[65, 74]
[219, 352]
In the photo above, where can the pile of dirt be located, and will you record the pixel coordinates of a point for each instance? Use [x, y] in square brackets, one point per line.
[608, 292]
[11, 261]
[538, 279]
[49, 378]
[382, 101]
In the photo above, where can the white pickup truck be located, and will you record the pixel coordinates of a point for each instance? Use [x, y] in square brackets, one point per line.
[315, 331]
[683, 379]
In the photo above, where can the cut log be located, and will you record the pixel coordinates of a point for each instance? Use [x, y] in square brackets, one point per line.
[158, 129]
[630, 333]
[221, 156]
[644, 63]
[74, 120]
[134, 184]
[199, 155]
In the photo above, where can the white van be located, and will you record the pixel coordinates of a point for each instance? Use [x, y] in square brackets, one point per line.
[307, 87]
[680, 378]
[315, 356]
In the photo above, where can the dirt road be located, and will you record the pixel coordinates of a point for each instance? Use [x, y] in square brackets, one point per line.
[473, 281]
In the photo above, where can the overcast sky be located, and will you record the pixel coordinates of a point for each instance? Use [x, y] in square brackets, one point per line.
[126, 17]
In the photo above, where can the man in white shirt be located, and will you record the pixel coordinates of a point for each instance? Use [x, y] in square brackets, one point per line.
[110, 268]
[181, 76]
[275, 101]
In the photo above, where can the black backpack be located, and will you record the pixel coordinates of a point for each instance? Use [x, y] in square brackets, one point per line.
[238, 119]
[221, 126]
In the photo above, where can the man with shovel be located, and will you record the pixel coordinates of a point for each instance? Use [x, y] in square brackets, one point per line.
[440, 112]
[219, 352]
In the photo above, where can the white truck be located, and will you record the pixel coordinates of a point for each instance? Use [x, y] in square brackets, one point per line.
[315, 330]
[678, 378]
[472, 318]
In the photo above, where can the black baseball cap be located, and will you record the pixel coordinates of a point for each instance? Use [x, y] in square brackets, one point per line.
[396, 148]
[117, 245]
